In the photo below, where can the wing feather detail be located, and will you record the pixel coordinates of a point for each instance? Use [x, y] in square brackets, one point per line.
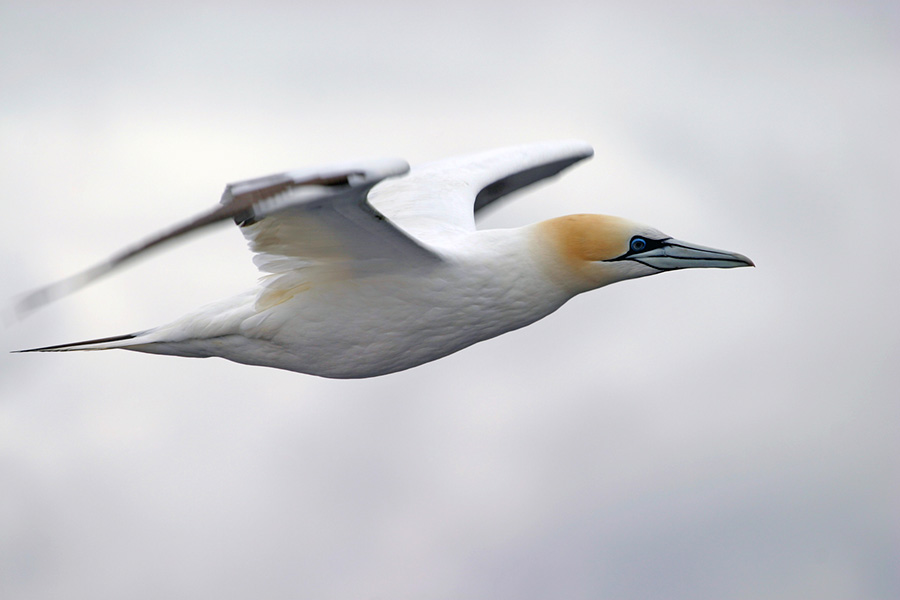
[327, 223]
[446, 194]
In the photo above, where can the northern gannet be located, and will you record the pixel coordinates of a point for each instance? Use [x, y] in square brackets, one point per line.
[371, 268]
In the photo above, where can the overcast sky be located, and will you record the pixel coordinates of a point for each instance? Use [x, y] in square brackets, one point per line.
[705, 434]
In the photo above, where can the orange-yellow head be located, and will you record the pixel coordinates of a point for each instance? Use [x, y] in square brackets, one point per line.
[590, 251]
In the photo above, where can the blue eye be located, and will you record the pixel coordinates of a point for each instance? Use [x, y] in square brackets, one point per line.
[638, 244]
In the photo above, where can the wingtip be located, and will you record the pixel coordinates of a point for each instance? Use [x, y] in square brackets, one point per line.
[574, 148]
[30, 302]
[581, 146]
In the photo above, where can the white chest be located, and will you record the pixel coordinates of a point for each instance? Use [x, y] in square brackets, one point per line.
[375, 325]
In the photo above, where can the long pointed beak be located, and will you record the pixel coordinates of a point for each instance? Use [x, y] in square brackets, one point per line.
[675, 254]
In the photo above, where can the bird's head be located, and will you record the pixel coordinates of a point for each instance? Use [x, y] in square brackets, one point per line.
[590, 251]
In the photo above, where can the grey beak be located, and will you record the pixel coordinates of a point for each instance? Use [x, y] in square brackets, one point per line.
[675, 254]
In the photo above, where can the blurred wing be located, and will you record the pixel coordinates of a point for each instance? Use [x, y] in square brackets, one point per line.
[447, 193]
[276, 213]
[326, 223]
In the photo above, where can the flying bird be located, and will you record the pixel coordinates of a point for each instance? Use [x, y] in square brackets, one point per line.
[371, 268]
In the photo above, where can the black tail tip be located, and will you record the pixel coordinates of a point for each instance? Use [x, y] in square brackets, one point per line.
[74, 345]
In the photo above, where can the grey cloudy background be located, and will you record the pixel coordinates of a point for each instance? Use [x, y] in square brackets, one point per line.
[709, 434]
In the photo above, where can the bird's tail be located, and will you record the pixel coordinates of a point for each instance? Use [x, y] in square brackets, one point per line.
[129, 341]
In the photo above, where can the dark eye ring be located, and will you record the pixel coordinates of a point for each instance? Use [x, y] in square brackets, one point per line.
[638, 244]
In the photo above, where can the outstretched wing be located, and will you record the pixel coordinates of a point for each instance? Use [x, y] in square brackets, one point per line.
[446, 194]
[322, 216]
[313, 214]
[290, 226]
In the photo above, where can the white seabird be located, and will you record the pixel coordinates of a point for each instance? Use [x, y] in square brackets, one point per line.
[371, 268]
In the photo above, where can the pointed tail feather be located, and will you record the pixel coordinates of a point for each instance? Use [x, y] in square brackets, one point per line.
[107, 343]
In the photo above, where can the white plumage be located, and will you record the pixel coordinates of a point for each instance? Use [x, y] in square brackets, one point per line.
[370, 268]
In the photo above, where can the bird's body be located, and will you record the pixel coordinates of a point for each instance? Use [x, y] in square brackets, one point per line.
[367, 326]
[361, 284]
